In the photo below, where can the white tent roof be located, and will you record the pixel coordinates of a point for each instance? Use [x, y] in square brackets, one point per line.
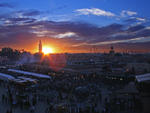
[144, 77]
[30, 73]
[27, 79]
[6, 77]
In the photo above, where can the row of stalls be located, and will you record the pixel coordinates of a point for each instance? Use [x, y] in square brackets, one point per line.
[22, 77]
[134, 96]
[143, 85]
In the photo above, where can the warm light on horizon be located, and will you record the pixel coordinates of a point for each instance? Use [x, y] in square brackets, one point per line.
[47, 50]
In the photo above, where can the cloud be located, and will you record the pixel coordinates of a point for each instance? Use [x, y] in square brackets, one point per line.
[19, 17]
[135, 28]
[6, 5]
[135, 21]
[128, 13]
[141, 19]
[31, 13]
[95, 11]
[70, 32]
[79, 32]
[18, 21]
[148, 27]
[16, 30]
[66, 35]
[133, 40]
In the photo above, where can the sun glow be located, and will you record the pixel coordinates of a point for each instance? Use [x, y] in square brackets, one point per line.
[47, 50]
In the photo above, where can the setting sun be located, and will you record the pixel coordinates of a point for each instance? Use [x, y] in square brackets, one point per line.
[47, 50]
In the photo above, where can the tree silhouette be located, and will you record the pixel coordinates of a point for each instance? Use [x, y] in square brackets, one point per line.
[10, 53]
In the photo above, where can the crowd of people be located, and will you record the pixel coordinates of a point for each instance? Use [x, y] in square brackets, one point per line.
[64, 93]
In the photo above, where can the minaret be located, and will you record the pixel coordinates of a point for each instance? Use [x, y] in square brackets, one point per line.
[40, 46]
[112, 51]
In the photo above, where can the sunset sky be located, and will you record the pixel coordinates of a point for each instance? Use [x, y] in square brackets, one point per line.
[75, 25]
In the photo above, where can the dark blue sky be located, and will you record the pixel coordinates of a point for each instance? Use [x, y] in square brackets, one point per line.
[77, 22]
[67, 9]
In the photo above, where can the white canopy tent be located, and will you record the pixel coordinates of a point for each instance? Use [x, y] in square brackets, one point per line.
[30, 73]
[6, 77]
[144, 77]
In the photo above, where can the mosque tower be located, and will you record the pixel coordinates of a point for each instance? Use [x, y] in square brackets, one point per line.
[40, 46]
[112, 51]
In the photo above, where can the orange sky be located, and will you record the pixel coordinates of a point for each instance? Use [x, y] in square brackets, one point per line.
[62, 46]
